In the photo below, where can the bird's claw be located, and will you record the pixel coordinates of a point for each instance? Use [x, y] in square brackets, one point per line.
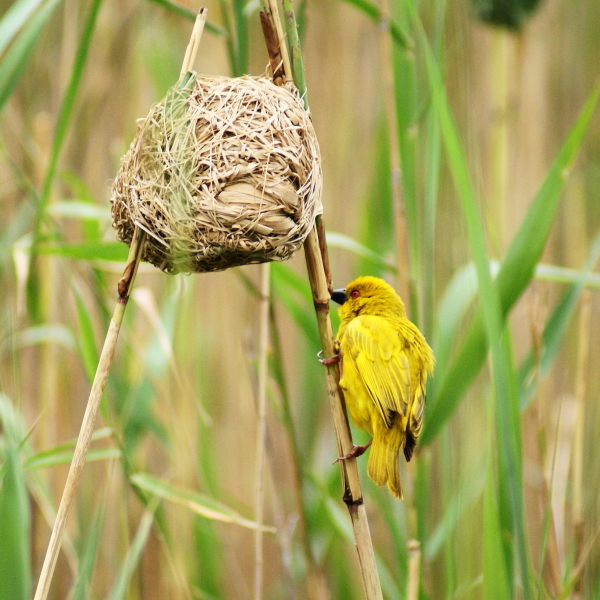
[328, 361]
[355, 452]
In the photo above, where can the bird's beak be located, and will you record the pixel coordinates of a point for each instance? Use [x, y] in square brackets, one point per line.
[339, 296]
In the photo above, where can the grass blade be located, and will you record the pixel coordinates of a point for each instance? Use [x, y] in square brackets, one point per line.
[78, 210]
[199, 503]
[241, 31]
[64, 458]
[340, 240]
[294, 293]
[15, 566]
[461, 501]
[99, 434]
[86, 341]
[406, 103]
[555, 329]
[374, 13]
[503, 377]
[64, 117]
[515, 273]
[377, 218]
[496, 583]
[81, 588]
[63, 123]
[14, 18]
[15, 60]
[110, 251]
[119, 590]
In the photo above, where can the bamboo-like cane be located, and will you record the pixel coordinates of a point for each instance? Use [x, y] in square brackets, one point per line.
[402, 246]
[317, 262]
[281, 69]
[87, 426]
[578, 450]
[414, 570]
[261, 441]
[274, 10]
[349, 472]
[280, 65]
[192, 48]
[294, 42]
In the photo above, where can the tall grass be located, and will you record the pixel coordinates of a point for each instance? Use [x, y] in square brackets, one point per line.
[502, 494]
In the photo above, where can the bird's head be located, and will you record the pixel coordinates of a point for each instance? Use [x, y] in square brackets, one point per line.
[368, 296]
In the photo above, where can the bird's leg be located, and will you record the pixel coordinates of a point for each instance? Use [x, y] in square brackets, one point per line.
[332, 359]
[355, 452]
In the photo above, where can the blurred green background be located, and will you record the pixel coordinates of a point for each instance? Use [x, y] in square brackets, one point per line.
[485, 139]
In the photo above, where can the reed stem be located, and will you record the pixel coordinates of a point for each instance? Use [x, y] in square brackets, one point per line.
[317, 262]
[402, 246]
[124, 287]
[87, 426]
[414, 570]
[282, 71]
[291, 28]
[348, 469]
[263, 350]
[579, 437]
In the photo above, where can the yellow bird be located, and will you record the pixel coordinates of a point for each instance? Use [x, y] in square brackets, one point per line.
[384, 363]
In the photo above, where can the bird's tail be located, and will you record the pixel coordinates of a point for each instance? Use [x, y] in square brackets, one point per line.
[383, 466]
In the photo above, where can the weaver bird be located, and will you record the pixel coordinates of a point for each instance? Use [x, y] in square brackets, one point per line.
[384, 363]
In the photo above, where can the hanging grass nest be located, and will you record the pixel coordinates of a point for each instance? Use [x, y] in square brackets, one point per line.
[223, 172]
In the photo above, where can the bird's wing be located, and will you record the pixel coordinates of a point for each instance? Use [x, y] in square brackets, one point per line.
[415, 421]
[375, 346]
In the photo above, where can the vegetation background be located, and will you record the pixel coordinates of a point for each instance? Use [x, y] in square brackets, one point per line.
[499, 147]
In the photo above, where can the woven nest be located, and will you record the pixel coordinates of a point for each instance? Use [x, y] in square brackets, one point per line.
[223, 172]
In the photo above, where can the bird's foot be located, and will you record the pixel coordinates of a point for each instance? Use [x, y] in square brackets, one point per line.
[355, 452]
[328, 361]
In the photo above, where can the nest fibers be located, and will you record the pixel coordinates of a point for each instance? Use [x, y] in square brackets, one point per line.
[223, 172]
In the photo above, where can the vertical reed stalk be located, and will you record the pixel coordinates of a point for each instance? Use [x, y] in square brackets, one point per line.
[192, 48]
[263, 349]
[580, 390]
[281, 68]
[294, 41]
[414, 570]
[499, 89]
[396, 171]
[349, 472]
[549, 553]
[87, 426]
[315, 580]
[276, 21]
[317, 262]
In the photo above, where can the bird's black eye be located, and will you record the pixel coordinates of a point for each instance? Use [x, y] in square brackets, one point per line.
[354, 294]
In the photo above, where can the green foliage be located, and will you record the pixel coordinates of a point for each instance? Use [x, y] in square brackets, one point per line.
[508, 431]
[23, 24]
[202, 505]
[81, 587]
[554, 330]
[496, 580]
[175, 454]
[119, 589]
[515, 274]
[15, 566]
